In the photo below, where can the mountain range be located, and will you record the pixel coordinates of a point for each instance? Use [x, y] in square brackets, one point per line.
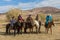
[36, 10]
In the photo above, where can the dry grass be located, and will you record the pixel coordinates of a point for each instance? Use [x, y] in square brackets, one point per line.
[40, 36]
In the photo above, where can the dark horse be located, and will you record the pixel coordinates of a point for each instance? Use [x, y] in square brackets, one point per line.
[16, 27]
[28, 25]
[31, 25]
[49, 26]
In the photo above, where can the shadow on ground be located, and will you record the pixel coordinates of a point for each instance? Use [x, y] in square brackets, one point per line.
[4, 34]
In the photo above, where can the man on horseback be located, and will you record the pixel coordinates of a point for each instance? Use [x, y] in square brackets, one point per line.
[29, 19]
[10, 25]
[12, 21]
[48, 19]
[20, 18]
[20, 23]
[37, 17]
[39, 20]
[49, 23]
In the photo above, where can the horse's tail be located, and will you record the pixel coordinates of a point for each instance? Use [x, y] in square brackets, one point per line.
[7, 25]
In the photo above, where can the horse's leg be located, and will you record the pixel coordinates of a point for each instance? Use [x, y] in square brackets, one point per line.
[46, 29]
[9, 30]
[51, 30]
[21, 27]
[39, 26]
[18, 30]
[36, 29]
[21, 30]
[25, 29]
[14, 32]
[32, 29]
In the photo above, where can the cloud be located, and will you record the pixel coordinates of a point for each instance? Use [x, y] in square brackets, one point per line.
[53, 3]
[26, 6]
[6, 8]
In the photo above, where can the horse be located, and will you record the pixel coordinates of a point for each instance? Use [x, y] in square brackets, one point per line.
[49, 26]
[16, 27]
[37, 24]
[20, 26]
[31, 25]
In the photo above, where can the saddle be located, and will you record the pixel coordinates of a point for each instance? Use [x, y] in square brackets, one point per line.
[49, 24]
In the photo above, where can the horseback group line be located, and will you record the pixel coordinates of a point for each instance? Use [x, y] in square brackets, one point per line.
[20, 24]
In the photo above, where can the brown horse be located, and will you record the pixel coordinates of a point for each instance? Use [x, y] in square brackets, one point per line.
[31, 25]
[49, 26]
[16, 27]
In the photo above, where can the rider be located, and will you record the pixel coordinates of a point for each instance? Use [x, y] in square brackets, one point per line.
[48, 19]
[20, 18]
[12, 21]
[36, 17]
[39, 20]
[29, 18]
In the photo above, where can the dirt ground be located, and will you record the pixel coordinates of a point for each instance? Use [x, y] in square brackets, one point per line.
[33, 36]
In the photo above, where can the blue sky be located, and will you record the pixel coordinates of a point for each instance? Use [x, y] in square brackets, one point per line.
[16, 2]
[6, 5]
